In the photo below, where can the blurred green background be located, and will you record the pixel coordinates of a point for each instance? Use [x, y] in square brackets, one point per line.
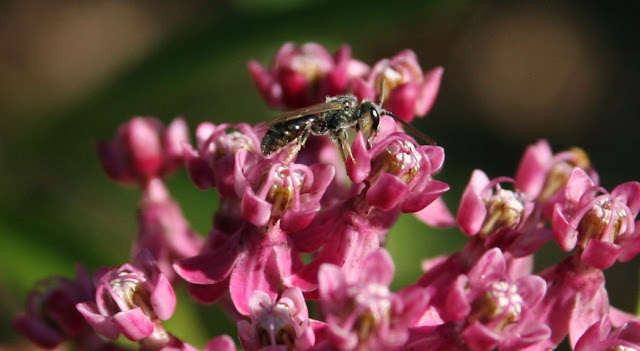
[71, 72]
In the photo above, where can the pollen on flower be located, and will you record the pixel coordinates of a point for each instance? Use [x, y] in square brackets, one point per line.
[399, 158]
[605, 221]
[274, 327]
[499, 305]
[284, 183]
[130, 291]
[230, 143]
[311, 66]
[372, 307]
[505, 209]
[560, 171]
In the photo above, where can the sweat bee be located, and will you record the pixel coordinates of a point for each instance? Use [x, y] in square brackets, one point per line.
[333, 118]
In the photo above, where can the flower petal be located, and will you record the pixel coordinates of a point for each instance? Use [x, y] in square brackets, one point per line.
[133, 324]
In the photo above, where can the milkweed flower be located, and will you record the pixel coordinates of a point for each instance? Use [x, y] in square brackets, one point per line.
[601, 224]
[393, 176]
[543, 175]
[132, 299]
[501, 217]
[602, 336]
[277, 325]
[485, 310]
[163, 230]
[409, 92]
[274, 199]
[142, 149]
[362, 313]
[212, 163]
[51, 317]
[576, 298]
[305, 75]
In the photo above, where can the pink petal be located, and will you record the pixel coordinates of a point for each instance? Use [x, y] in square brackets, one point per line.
[533, 168]
[38, 331]
[429, 91]
[531, 288]
[258, 301]
[208, 294]
[265, 84]
[133, 324]
[436, 214]
[631, 191]
[377, 268]
[145, 147]
[479, 337]
[472, 211]
[221, 343]
[362, 90]
[256, 270]
[402, 101]
[566, 236]
[436, 156]
[600, 254]
[387, 192]
[207, 268]
[332, 285]
[199, 170]
[416, 201]
[359, 170]
[491, 265]
[176, 134]
[293, 221]
[578, 182]
[299, 308]
[163, 299]
[103, 325]
[254, 209]
[457, 306]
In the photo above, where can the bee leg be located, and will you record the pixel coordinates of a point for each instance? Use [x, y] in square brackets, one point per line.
[293, 151]
[345, 149]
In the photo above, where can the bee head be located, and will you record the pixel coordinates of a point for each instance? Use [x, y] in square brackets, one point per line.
[369, 120]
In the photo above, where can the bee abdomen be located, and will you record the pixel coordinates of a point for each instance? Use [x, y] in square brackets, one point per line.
[283, 133]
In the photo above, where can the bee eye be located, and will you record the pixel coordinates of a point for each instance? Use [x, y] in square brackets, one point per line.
[375, 119]
[369, 121]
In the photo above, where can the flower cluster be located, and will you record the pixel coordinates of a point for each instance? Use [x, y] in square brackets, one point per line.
[275, 210]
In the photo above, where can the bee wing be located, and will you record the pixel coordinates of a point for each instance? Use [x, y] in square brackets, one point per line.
[416, 133]
[305, 111]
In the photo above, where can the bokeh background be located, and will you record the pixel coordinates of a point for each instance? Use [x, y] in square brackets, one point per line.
[71, 72]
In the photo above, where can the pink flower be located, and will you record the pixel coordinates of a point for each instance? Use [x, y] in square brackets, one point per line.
[501, 217]
[143, 149]
[275, 199]
[221, 343]
[600, 224]
[486, 310]
[212, 164]
[163, 230]
[272, 190]
[394, 176]
[396, 171]
[277, 325]
[409, 93]
[131, 299]
[601, 336]
[51, 317]
[362, 313]
[305, 75]
[542, 176]
[576, 298]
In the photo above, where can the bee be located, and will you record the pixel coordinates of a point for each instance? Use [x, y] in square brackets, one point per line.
[332, 118]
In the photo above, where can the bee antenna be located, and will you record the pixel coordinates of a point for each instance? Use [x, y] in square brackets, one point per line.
[409, 127]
